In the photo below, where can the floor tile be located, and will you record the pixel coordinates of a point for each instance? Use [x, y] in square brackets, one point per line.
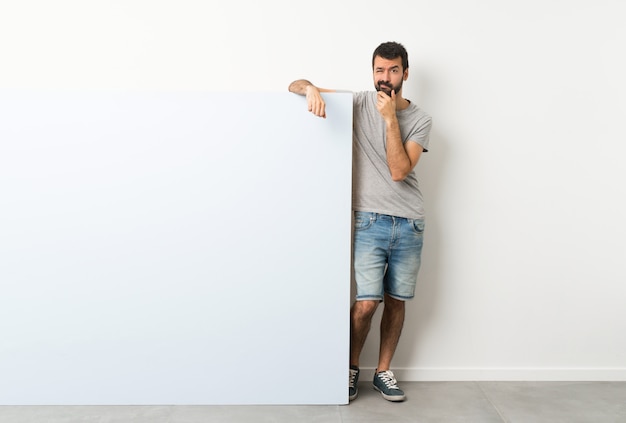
[426, 402]
[256, 414]
[554, 402]
[85, 414]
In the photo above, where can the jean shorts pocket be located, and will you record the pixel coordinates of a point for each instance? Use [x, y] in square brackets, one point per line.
[363, 220]
[417, 225]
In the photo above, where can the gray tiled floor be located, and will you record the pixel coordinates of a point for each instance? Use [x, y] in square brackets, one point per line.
[527, 402]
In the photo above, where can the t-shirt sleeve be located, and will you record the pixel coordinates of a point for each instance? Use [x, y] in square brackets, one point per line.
[421, 132]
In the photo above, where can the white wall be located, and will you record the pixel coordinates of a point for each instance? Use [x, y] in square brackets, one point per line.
[523, 275]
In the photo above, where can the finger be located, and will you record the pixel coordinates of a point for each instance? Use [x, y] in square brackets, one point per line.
[314, 108]
[320, 109]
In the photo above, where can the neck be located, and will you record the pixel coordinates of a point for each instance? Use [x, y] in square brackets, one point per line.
[401, 102]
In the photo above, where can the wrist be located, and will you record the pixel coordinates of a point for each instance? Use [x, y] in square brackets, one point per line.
[391, 121]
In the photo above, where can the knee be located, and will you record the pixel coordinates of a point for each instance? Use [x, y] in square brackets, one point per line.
[394, 303]
[364, 309]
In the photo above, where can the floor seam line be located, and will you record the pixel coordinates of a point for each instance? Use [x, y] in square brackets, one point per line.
[480, 386]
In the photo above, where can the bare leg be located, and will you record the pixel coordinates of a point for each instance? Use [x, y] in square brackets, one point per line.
[390, 329]
[361, 315]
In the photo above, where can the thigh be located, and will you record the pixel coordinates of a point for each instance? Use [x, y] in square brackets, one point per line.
[405, 259]
[370, 251]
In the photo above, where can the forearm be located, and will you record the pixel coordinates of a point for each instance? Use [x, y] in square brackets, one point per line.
[398, 160]
[315, 101]
[302, 87]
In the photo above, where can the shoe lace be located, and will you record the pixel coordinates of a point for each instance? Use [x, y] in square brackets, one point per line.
[352, 378]
[388, 379]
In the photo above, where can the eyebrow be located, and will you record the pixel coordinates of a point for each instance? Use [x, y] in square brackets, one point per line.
[392, 67]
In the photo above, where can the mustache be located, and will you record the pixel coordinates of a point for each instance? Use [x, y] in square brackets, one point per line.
[385, 87]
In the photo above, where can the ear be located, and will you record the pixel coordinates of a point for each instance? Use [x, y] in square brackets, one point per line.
[406, 74]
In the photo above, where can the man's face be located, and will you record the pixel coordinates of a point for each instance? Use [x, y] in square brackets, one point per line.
[388, 74]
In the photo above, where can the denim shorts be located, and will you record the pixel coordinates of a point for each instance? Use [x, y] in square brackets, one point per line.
[386, 255]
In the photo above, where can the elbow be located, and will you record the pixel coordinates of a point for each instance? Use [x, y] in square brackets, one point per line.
[399, 176]
[401, 172]
[293, 87]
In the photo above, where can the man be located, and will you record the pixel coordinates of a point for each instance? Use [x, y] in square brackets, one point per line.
[389, 135]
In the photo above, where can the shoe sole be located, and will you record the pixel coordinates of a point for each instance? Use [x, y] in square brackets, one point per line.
[392, 398]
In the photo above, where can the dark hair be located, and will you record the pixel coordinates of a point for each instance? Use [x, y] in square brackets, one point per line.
[391, 50]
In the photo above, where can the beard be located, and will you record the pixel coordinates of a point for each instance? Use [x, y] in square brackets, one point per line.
[386, 87]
